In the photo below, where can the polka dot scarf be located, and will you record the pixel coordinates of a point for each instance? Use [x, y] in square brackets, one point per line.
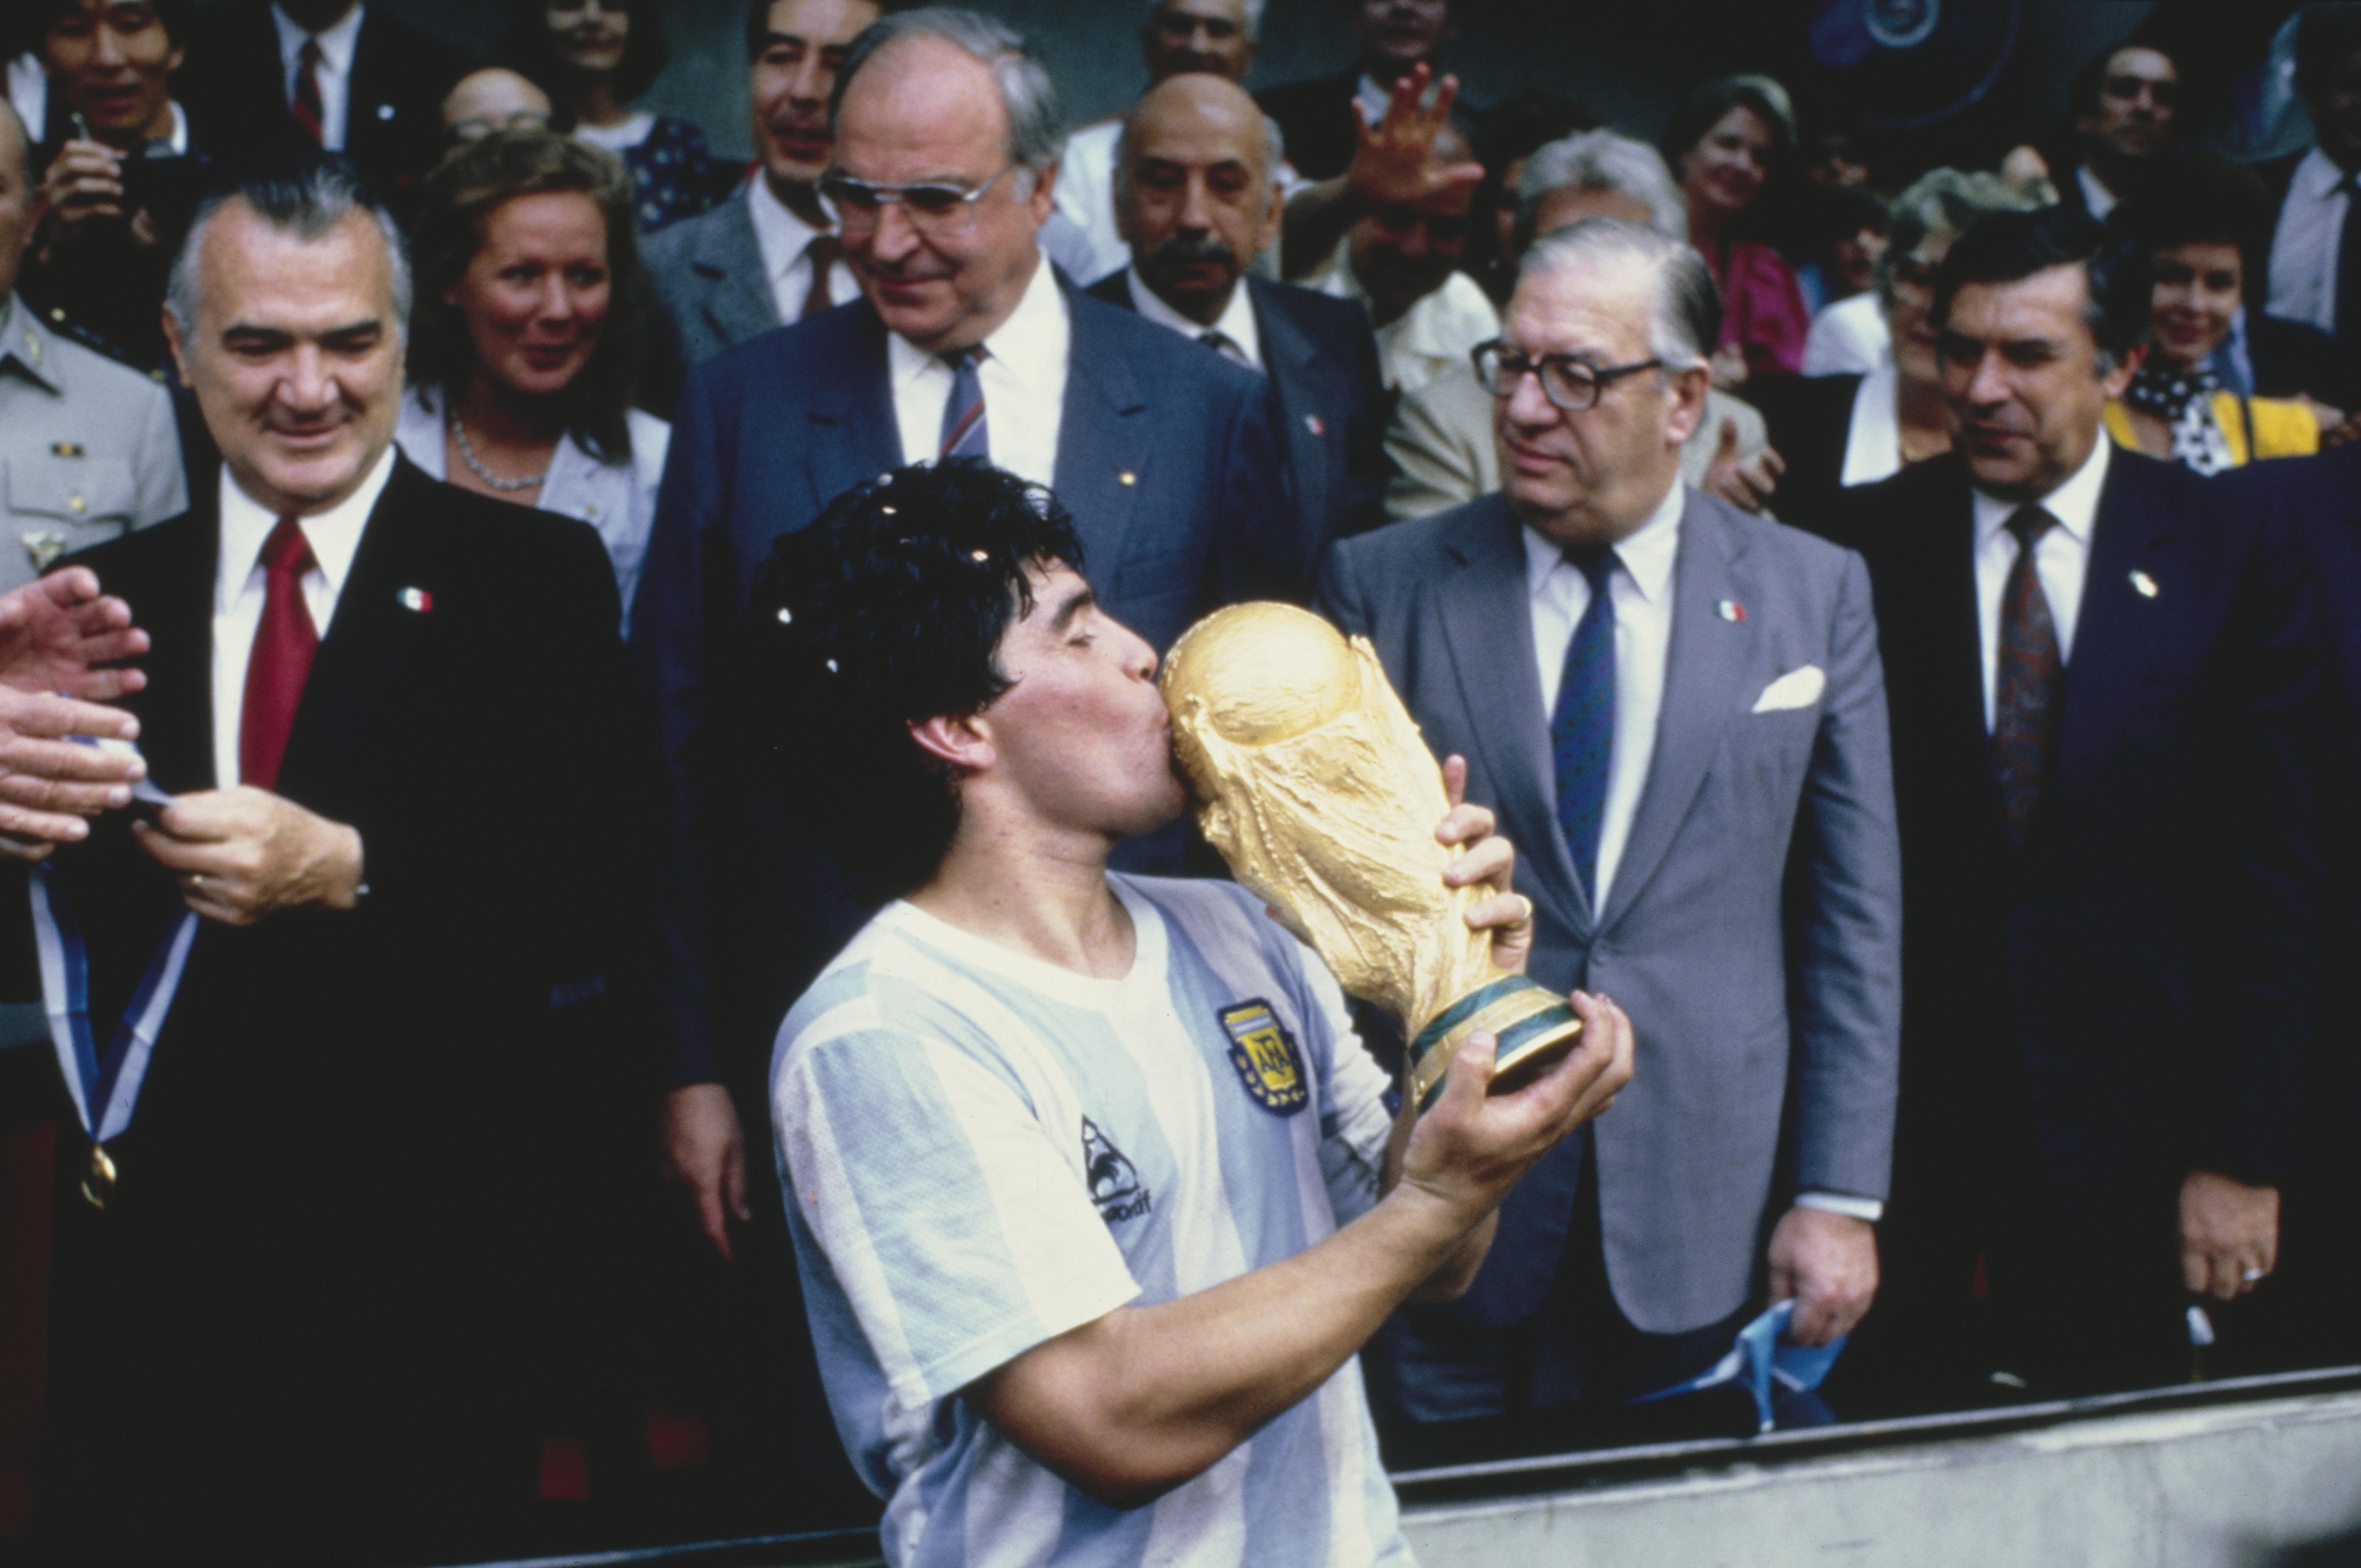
[2183, 398]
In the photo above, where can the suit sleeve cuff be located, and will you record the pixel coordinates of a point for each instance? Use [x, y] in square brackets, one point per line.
[1869, 1209]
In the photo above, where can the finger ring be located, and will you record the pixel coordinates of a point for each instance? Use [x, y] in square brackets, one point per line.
[1526, 917]
[197, 879]
[2250, 1276]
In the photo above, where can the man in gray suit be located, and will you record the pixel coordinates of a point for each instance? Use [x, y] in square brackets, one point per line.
[770, 255]
[1692, 755]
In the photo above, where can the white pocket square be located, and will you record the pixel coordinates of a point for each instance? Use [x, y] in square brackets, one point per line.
[1799, 687]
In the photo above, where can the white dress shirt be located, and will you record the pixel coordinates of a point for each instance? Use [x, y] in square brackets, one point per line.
[2096, 197]
[2305, 246]
[1640, 587]
[336, 72]
[2062, 557]
[619, 499]
[622, 136]
[1085, 194]
[1024, 377]
[1849, 338]
[1236, 322]
[29, 90]
[241, 585]
[1873, 439]
[785, 242]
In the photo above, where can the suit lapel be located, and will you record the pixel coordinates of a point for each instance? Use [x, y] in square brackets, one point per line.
[1103, 442]
[1955, 644]
[1292, 360]
[1487, 624]
[364, 131]
[2115, 631]
[1705, 676]
[855, 435]
[368, 642]
[176, 707]
[737, 299]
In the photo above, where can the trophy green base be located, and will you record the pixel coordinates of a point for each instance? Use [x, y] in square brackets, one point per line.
[1533, 1027]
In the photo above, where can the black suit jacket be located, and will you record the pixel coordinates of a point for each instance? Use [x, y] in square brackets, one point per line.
[1327, 399]
[1807, 420]
[2294, 359]
[2150, 958]
[394, 129]
[335, 1237]
[1316, 119]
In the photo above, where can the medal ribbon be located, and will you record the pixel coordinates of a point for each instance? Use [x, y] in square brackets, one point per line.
[104, 1089]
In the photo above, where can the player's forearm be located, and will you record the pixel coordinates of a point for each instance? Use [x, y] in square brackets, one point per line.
[1140, 1401]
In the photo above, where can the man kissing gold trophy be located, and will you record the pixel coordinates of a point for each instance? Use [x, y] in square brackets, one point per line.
[1313, 784]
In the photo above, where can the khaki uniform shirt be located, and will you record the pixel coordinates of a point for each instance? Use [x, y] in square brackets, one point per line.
[88, 447]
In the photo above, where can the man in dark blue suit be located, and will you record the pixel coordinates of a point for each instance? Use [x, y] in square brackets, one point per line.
[966, 345]
[1195, 201]
[2101, 678]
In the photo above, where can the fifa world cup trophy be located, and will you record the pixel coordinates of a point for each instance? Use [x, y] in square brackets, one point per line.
[1312, 783]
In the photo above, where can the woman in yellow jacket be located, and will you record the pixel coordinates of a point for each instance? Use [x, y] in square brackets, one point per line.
[2202, 229]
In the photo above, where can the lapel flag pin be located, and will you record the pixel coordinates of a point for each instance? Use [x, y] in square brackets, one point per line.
[1729, 611]
[417, 600]
[2145, 583]
[1313, 423]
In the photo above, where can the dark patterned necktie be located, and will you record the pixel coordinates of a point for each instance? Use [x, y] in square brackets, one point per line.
[2028, 682]
[824, 250]
[309, 112]
[284, 643]
[1582, 729]
[964, 431]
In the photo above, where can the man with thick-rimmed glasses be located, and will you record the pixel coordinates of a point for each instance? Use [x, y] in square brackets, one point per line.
[965, 344]
[1693, 759]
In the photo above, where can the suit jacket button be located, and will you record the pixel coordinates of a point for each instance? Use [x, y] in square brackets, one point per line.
[1127, 478]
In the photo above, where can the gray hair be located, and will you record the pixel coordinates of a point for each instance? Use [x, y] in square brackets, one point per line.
[1036, 126]
[309, 205]
[1684, 305]
[1251, 10]
[1602, 160]
[1948, 201]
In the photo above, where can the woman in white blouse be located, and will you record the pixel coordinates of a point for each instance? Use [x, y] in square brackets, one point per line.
[522, 341]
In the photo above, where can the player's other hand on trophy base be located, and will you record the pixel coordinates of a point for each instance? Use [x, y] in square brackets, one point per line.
[1489, 858]
[1473, 1145]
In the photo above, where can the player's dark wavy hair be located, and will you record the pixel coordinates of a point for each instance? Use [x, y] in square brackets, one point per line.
[2007, 247]
[885, 613]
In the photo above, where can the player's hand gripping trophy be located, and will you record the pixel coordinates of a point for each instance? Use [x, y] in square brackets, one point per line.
[1312, 783]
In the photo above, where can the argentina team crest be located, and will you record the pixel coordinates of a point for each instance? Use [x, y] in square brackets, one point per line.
[1264, 1055]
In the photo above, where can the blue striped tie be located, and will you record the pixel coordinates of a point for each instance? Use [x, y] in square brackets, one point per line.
[964, 431]
[1582, 730]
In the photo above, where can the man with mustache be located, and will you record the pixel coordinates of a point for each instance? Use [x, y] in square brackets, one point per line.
[2103, 682]
[320, 1289]
[1196, 201]
[773, 255]
[1212, 37]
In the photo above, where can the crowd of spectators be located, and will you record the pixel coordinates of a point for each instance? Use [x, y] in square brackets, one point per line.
[540, 590]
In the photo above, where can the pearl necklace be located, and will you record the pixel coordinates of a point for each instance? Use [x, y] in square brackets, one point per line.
[476, 465]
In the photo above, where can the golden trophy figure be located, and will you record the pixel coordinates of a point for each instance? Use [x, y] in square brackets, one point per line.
[1312, 783]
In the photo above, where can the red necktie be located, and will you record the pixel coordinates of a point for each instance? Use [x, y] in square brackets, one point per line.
[309, 112]
[283, 646]
[823, 250]
[2028, 681]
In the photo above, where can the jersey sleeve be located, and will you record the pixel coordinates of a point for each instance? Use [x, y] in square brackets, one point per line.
[1353, 1120]
[959, 1231]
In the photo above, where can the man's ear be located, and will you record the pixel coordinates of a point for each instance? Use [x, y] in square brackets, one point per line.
[2116, 382]
[1042, 201]
[962, 740]
[1688, 388]
[179, 351]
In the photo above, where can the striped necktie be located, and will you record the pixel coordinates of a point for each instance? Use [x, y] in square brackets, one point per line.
[309, 113]
[1582, 729]
[964, 431]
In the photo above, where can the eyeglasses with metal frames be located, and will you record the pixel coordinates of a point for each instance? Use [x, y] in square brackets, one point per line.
[941, 211]
[1567, 382]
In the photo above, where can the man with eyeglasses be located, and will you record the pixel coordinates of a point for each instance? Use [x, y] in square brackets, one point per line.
[1692, 757]
[965, 345]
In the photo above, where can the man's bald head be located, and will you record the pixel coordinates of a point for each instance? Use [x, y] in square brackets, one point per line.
[1193, 193]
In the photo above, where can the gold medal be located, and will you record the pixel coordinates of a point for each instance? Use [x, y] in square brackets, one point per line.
[98, 1182]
